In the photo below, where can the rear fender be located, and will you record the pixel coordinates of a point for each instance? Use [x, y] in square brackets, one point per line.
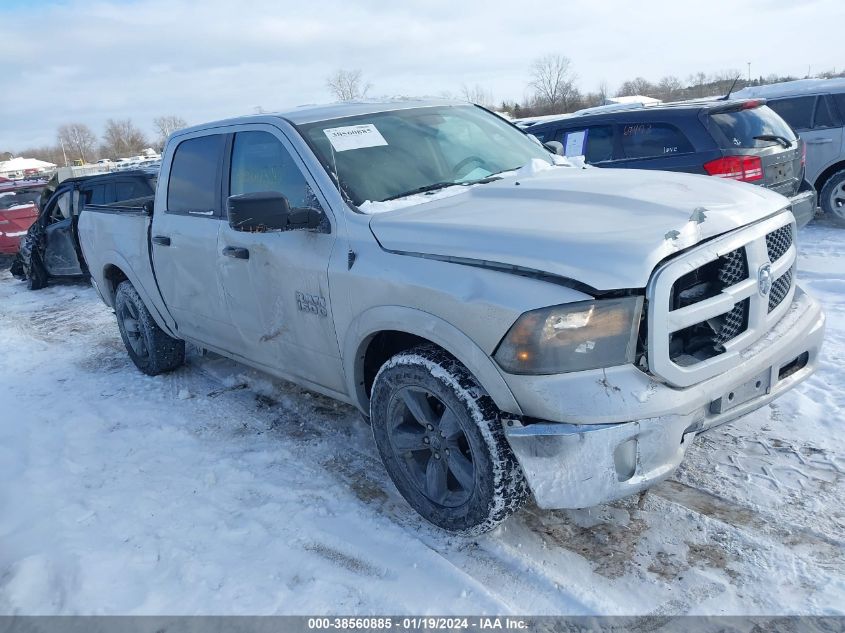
[150, 296]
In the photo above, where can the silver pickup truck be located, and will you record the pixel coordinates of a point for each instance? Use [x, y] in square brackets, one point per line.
[510, 323]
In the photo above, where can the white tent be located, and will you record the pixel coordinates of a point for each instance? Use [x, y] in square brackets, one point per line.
[20, 165]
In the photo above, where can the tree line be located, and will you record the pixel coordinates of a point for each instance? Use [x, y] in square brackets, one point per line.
[121, 138]
[553, 88]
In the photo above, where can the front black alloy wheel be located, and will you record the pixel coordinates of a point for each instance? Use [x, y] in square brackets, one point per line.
[434, 451]
[440, 437]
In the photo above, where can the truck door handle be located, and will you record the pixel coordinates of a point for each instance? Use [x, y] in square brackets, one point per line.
[162, 240]
[236, 251]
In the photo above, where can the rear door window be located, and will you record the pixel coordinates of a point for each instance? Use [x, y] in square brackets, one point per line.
[650, 140]
[797, 111]
[839, 103]
[131, 189]
[193, 186]
[595, 142]
[741, 128]
[824, 116]
[94, 195]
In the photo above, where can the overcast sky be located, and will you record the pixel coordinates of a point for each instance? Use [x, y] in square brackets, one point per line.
[88, 60]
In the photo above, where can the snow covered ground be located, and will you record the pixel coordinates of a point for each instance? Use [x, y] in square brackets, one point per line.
[214, 490]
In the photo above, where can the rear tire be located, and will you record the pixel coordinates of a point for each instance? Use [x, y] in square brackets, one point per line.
[36, 275]
[832, 198]
[441, 440]
[152, 351]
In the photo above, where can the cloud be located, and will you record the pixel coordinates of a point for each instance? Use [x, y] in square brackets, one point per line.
[87, 60]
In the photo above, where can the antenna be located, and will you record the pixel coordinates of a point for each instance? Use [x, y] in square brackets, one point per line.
[730, 90]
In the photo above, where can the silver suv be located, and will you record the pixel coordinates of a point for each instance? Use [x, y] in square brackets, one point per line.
[815, 108]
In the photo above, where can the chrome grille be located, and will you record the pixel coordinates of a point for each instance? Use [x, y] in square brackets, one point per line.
[780, 289]
[733, 324]
[778, 242]
[711, 302]
[733, 268]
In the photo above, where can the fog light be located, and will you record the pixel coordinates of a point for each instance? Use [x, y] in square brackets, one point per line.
[625, 459]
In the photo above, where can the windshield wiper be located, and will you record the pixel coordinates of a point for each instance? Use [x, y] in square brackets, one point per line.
[785, 142]
[449, 183]
[424, 189]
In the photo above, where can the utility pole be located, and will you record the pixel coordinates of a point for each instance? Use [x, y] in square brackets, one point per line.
[64, 153]
[749, 72]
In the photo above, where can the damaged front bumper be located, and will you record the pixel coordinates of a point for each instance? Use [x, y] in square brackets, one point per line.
[599, 454]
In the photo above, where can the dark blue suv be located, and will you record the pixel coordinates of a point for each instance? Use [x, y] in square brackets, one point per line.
[741, 139]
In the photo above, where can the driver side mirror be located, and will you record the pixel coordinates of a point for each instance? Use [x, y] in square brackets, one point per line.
[268, 211]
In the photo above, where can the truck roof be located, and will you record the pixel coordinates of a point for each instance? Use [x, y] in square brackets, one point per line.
[323, 112]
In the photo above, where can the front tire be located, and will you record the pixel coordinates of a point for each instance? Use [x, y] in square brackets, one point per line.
[832, 197]
[36, 274]
[442, 442]
[152, 351]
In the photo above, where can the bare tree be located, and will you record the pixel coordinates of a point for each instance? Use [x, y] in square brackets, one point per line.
[603, 92]
[166, 125]
[77, 140]
[121, 139]
[477, 94]
[347, 85]
[553, 83]
[669, 87]
[697, 81]
[634, 87]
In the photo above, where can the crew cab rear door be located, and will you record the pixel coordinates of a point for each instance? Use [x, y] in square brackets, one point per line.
[275, 284]
[184, 239]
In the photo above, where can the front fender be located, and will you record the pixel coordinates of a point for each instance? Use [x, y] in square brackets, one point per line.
[430, 327]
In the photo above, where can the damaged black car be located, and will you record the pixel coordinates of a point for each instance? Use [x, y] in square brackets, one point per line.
[50, 248]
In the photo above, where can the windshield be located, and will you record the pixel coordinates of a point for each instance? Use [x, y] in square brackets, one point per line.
[388, 155]
[744, 128]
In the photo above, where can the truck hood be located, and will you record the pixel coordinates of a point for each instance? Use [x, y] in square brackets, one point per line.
[605, 228]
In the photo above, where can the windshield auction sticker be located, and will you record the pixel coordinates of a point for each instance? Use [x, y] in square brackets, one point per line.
[354, 137]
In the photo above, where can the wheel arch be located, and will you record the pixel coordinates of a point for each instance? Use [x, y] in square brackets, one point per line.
[118, 270]
[381, 332]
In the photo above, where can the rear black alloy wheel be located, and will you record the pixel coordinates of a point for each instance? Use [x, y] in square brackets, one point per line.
[129, 317]
[441, 439]
[433, 449]
[151, 349]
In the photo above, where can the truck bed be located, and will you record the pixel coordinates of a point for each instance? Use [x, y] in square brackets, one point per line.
[118, 235]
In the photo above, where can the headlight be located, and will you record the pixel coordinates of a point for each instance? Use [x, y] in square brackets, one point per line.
[572, 337]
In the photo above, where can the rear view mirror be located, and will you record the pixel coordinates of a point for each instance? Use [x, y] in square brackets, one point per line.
[555, 147]
[268, 211]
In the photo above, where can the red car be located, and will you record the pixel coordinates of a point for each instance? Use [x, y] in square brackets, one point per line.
[18, 210]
